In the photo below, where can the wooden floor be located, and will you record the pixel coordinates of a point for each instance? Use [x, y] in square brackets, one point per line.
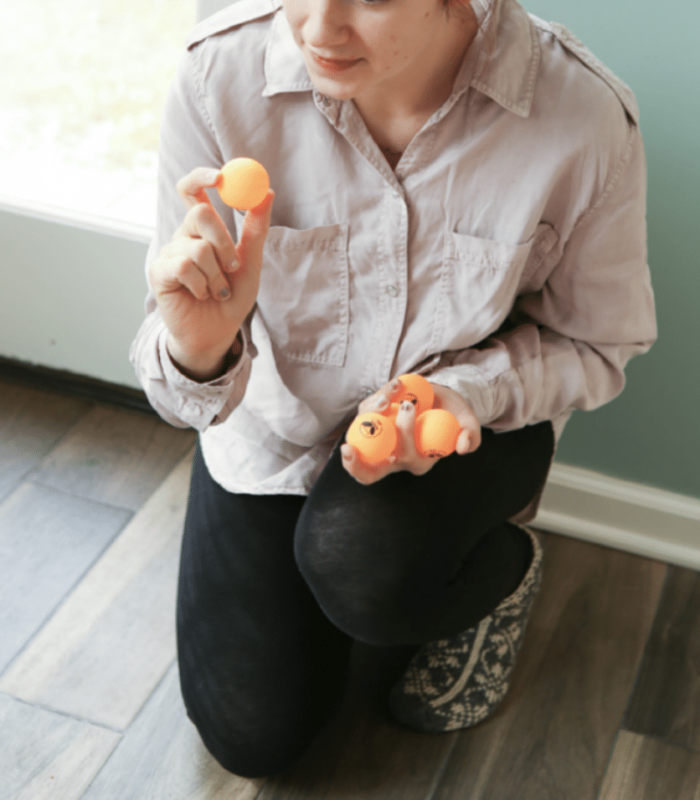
[605, 701]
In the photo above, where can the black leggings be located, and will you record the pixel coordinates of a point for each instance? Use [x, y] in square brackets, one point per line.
[274, 589]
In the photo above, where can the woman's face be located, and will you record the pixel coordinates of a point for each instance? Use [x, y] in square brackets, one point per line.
[352, 47]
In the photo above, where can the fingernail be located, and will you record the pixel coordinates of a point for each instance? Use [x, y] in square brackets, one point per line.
[224, 293]
[233, 266]
[382, 403]
[212, 175]
[407, 405]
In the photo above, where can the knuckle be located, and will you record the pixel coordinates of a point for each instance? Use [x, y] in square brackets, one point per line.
[200, 249]
[185, 270]
[202, 213]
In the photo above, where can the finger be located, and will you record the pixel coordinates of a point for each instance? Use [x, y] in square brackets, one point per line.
[191, 187]
[406, 427]
[379, 401]
[256, 224]
[191, 264]
[202, 222]
[205, 262]
[181, 273]
[469, 438]
[376, 402]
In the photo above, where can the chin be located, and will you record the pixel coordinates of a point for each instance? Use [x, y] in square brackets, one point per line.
[334, 89]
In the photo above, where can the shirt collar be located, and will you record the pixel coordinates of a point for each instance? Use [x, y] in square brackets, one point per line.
[509, 54]
[285, 68]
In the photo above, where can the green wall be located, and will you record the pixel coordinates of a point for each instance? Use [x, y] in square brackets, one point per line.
[651, 433]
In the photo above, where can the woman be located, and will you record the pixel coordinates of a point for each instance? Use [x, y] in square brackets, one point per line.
[459, 191]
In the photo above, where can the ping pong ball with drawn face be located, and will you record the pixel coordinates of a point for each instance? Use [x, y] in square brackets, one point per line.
[373, 436]
[417, 390]
[436, 432]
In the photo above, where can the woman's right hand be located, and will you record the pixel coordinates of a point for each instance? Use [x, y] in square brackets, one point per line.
[204, 284]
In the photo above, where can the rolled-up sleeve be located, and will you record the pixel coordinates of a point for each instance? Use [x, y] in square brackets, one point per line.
[179, 400]
[565, 347]
[187, 141]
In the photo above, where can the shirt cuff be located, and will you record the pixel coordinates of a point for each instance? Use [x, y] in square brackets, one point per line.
[200, 405]
[471, 384]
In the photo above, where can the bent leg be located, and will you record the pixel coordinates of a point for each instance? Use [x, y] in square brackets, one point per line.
[411, 559]
[261, 668]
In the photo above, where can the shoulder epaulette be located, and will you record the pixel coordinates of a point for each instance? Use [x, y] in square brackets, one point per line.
[577, 48]
[230, 17]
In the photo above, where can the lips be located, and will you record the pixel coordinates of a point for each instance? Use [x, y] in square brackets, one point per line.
[334, 65]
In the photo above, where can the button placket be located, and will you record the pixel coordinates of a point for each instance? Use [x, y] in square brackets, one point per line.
[395, 277]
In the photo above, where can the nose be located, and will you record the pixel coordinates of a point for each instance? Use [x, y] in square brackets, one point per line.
[326, 25]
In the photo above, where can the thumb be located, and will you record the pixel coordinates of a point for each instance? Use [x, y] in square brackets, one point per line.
[255, 227]
[469, 438]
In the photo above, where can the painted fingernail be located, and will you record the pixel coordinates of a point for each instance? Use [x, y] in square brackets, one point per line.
[224, 293]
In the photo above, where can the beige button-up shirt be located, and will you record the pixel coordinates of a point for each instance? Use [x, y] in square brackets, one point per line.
[505, 257]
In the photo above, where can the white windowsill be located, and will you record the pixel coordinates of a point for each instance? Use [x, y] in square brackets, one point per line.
[80, 219]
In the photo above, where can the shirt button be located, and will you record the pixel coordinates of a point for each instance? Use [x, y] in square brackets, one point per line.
[368, 392]
[393, 291]
[325, 100]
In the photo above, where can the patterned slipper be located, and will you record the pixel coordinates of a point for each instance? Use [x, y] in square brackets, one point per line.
[457, 682]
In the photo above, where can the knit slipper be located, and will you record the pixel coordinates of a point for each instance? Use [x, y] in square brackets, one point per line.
[457, 682]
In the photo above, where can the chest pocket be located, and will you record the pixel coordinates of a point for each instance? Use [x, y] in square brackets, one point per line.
[480, 279]
[304, 293]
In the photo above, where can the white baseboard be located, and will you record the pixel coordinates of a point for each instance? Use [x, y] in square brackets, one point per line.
[627, 516]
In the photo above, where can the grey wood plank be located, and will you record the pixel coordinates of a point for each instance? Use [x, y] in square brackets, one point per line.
[666, 699]
[48, 540]
[364, 753]
[553, 734]
[31, 423]
[162, 756]
[47, 756]
[107, 647]
[115, 456]
[647, 769]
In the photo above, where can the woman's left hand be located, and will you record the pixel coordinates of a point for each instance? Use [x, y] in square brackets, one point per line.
[406, 457]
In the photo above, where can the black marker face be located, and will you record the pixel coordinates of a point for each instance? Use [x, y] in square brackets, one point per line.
[371, 428]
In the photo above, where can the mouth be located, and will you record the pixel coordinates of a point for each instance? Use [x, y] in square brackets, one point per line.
[335, 65]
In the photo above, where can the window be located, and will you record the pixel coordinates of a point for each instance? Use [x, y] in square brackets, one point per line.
[81, 94]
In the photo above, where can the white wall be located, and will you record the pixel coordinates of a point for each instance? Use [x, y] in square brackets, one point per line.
[70, 297]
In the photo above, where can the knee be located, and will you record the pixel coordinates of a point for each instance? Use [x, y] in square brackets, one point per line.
[371, 600]
[252, 748]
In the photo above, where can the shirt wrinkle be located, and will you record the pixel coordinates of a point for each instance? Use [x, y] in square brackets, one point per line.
[508, 241]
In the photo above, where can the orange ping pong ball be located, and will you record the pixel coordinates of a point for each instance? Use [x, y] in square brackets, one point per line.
[244, 183]
[373, 436]
[436, 433]
[417, 390]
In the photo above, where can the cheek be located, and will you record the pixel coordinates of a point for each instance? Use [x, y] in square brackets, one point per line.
[295, 18]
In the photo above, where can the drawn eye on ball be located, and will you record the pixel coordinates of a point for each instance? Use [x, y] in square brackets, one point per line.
[370, 428]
